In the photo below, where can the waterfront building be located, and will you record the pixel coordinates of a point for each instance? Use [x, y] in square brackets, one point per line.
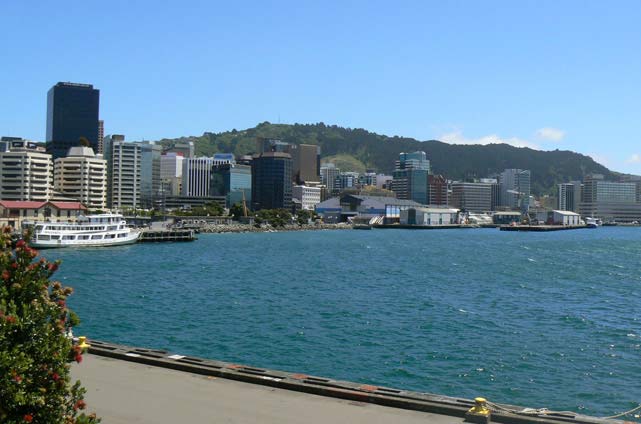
[150, 181]
[384, 181]
[184, 148]
[569, 196]
[506, 217]
[428, 216]
[13, 212]
[306, 164]
[25, 171]
[329, 172]
[340, 209]
[272, 181]
[411, 177]
[472, 197]
[171, 173]
[609, 200]
[72, 116]
[438, 190]
[515, 188]
[233, 181]
[308, 197]
[123, 172]
[82, 175]
[367, 179]
[346, 181]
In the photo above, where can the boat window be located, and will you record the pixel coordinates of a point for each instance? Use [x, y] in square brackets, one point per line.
[122, 235]
[39, 227]
[96, 237]
[83, 237]
[68, 237]
[43, 237]
[55, 237]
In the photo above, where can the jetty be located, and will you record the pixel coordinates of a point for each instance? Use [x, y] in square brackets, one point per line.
[541, 228]
[167, 235]
[127, 384]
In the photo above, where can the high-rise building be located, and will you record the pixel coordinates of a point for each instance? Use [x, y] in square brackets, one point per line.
[149, 174]
[472, 197]
[569, 196]
[72, 117]
[515, 188]
[411, 177]
[25, 171]
[306, 163]
[184, 148]
[123, 172]
[234, 181]
[223, 158]
[101, 137]
[82, 175]
[609, 200]
[438, 190]
[264, 145]
[196, 180]
[329, 172]
[272, 181]
[171, 173]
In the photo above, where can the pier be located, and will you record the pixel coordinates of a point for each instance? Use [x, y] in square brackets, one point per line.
[541, 228]
[126, 384]
[167, 235]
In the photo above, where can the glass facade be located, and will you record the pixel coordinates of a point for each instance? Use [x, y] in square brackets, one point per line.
[232, 181]
[272, 181]
[72, 114]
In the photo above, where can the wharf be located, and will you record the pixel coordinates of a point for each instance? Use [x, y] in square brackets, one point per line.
[541, 228]
[423, 227]
[167, 235]
[126, 384]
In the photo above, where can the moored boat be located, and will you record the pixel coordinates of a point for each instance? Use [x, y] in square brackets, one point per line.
[90, 231]
[593, 222]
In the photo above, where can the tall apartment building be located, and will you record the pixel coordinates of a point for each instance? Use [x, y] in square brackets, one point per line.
[101, 137]
[123, 172]
[472, 197]
[515, 188]
[272, 181]
[150, 174]
[25, 171]
[171, 173]
[196, 179]
[72, 115]
[82, 175]
[411, 177]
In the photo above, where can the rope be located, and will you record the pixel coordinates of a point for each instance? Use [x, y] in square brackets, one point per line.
[545, 411]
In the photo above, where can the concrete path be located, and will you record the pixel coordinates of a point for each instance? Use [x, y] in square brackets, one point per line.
[127, 392]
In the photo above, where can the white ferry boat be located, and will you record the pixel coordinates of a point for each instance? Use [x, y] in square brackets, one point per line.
[92, 230]
[593, 222]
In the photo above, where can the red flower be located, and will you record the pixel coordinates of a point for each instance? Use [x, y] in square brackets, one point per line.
[79, 405]
[5, 275]
[78, 358]
[28, 417]
[14, 265]
[52, 267]
[17, 378]
[20, 243]
[10, 319]
[55, 376]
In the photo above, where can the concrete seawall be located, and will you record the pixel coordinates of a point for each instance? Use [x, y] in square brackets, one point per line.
[128, 384]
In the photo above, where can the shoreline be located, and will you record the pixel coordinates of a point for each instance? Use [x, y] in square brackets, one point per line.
[247, 228]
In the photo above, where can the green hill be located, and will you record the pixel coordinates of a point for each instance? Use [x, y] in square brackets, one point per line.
[358, 148]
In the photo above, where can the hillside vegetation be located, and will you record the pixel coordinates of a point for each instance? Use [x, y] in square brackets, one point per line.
[358, 148]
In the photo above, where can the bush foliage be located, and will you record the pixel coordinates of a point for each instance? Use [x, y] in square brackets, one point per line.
[35, 352]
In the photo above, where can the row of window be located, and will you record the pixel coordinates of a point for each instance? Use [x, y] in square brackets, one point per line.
[45, 237]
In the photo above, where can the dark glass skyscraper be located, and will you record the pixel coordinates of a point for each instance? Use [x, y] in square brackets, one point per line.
[272, 181]
[72, 114]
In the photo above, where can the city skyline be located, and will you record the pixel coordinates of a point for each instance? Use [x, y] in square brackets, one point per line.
[536, 74]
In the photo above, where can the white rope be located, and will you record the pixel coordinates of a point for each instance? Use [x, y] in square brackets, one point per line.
[545, 411]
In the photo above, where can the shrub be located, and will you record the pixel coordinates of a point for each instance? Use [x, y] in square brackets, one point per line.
[35, 352]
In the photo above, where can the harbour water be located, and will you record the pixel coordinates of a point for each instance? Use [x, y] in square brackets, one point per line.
[536, 319]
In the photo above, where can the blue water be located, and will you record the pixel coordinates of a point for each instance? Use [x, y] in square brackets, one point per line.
[535, 319]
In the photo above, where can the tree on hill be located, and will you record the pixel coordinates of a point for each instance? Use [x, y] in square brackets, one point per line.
[35, 352]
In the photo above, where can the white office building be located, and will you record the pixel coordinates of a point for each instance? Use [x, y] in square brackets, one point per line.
[196, 179]
[82, 175]
[309, 197]
[123, 169]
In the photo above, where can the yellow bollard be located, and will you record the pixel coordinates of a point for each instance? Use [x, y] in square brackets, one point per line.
[82, 342]
[479, 413]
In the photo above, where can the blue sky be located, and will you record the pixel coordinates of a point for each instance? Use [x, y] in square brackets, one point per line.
[546, 74]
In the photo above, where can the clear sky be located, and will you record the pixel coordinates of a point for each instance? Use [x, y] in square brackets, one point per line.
[546, 74]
